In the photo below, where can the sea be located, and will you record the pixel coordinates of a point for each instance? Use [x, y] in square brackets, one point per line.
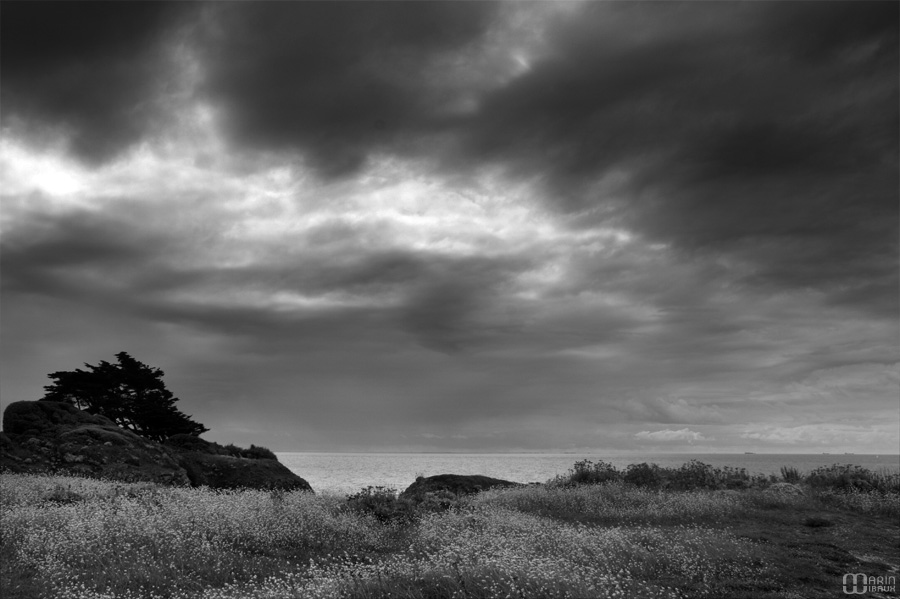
[350, 472]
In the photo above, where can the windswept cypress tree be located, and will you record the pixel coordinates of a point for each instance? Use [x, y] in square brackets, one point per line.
[129, 393]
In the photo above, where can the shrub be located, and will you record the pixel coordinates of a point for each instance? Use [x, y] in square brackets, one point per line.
[587, 472]
[738, 478]
[381, 502]
[887, 480]
[186, 442]
[695, 475]
[691, 476]
[255, 452]
[439, 501]
[644, 475]
[789, 474]
[843, 478]
[194, 443]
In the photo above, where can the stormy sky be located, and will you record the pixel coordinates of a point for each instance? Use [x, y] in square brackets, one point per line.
[463, 226]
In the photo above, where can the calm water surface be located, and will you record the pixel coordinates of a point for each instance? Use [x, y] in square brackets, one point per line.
[348, 472]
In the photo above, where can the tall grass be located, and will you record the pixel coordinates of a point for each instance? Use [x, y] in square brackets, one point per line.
[844, 477]
[690, 476]
[790, 474]
[614, 503]
[695, 475]
[131, 541]
[84, 538]
[600, 533]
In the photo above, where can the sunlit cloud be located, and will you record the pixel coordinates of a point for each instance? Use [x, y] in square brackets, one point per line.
[669, 435]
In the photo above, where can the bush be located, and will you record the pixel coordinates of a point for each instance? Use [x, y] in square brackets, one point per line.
[587, 472]
[257, 452]
[443, 500]
[644, 475]
[186, 442]
[691, 476]
[381, 502]
[254, 453]
[194, 443]
[789, 474]
[695, 475]
[844, 478]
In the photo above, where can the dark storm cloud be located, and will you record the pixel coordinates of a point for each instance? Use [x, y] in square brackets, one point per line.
[335, 80]
[114, 259]
[91, 70]
[766, 132]
[449, 315]
[77, 254]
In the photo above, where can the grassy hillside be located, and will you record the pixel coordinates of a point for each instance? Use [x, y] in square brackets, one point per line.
[577, 536]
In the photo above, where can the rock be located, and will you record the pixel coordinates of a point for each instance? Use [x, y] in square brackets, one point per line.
[59, 438]
[458, 484]
[213, 465]
[53, 437]
[40, 419]
[226, 472]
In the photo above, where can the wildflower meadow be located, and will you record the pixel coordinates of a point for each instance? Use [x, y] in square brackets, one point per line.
[76, 538]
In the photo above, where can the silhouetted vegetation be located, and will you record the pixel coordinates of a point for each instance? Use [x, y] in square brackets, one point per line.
[193, 443]
[696, 475]
[255, 452]
[129, 393]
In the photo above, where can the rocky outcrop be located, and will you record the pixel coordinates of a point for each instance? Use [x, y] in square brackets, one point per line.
[210, 464]
[457, 484]
[46, 418]
[46, 436]
[53, 437]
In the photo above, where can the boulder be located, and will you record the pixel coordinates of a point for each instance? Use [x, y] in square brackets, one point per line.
[458, 484]
[54, 437]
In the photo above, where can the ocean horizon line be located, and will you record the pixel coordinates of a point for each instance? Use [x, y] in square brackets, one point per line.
[618, 453]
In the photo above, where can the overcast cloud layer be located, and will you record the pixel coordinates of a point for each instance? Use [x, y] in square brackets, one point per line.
[463, 226]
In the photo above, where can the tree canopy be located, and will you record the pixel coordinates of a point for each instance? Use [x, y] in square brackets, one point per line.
[129, 393]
